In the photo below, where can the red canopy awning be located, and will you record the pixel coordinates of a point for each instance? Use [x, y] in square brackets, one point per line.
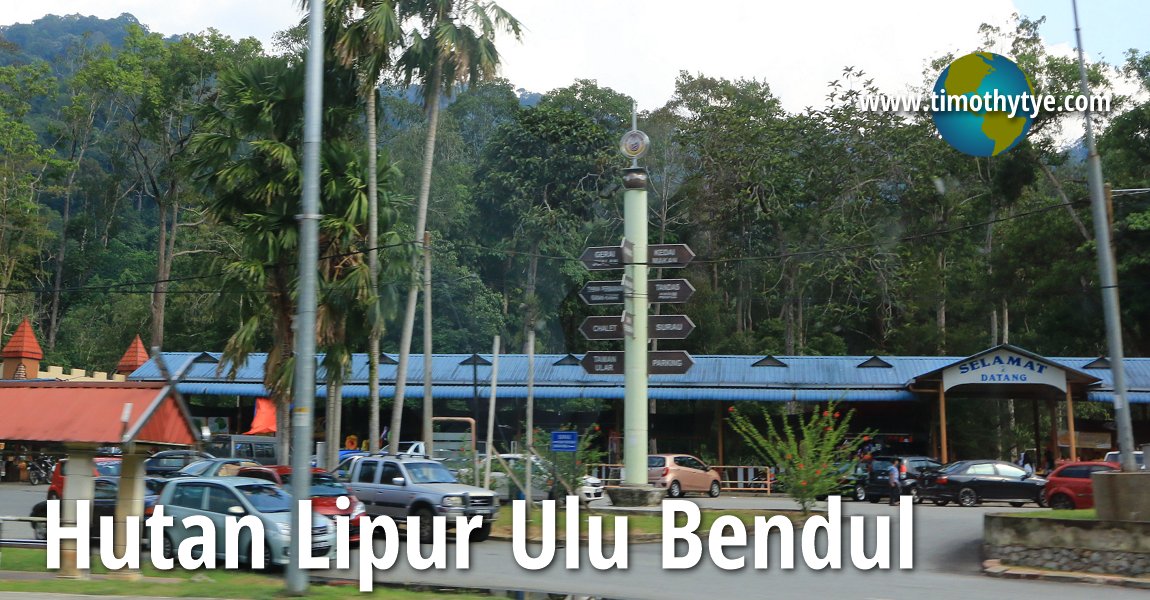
[94, 412]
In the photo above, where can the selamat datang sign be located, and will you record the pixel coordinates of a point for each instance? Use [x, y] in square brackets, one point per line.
[1004, 367]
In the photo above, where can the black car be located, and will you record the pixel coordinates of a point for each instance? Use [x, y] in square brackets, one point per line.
[852, 482]
[105, 491]
[166, 463]
[970, 482]
[878, 477]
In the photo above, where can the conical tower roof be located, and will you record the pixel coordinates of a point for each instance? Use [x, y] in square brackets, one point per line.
[134, 358]
[23, 343]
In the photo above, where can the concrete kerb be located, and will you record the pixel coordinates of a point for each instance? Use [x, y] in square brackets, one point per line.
[995, 568]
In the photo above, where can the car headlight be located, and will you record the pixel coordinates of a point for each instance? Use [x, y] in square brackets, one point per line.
[284, 528]
[456, 501]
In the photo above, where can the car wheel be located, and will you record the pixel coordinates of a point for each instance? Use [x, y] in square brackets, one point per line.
[860, 493]
[941, 502]
[169, 549]
[1040, 499]
[481, 534]
[1061, 502]
[715, 490]
[967, 497]
[676, 490]
[426, 525]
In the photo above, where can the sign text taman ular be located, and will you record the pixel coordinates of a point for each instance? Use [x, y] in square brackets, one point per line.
[659, 362]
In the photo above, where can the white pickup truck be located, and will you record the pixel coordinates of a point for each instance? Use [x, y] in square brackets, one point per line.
[403, 486]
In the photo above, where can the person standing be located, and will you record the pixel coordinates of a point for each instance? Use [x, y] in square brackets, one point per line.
[895, 483]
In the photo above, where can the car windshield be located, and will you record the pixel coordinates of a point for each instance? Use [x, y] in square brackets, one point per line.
[429, 472]
[266, 498]
[109, 468]
[322, 485]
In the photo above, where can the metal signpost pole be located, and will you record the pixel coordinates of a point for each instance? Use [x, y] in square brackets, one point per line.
[1107, 276]
[303, 390]
[633, 146]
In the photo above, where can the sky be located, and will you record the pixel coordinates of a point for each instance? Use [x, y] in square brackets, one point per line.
[638, 47]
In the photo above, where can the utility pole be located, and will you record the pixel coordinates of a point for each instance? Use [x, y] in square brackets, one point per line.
[529, 453]
[428, 398]
[1108, 275]
[303, 387]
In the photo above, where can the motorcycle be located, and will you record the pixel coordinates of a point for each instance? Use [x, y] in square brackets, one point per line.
[40, 470]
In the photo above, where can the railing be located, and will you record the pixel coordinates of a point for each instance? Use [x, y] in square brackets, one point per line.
[20, 541]
[732, 478]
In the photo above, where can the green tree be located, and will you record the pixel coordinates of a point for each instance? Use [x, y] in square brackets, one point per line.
[248, 156]
[809, 460]
[365, 31]
[454, 42]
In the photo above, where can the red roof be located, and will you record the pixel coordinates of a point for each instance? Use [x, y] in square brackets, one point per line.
[92, 413]
[23, 343]
[134, 358]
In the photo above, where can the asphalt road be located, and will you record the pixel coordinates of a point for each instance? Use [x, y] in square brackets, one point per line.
[946, 555]
[17, 500]
[946, 565]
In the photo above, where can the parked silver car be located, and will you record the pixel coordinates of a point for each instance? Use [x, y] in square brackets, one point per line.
[218, 498]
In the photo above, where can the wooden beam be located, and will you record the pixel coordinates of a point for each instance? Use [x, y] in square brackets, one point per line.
[1070, 422]
[942, 423]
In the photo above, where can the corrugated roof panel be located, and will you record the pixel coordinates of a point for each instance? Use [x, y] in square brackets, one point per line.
[734, 374]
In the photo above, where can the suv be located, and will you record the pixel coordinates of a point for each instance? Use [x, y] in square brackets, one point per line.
[102, 466]
[878, 482]
[402, 486]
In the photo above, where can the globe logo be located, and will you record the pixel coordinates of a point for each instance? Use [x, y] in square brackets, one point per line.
[973, 100]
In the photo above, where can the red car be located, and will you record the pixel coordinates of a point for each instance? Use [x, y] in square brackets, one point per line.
[325, 489]
[1069, 486]
[105, 466]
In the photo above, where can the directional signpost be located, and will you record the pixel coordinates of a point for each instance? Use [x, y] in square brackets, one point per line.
[659, 327]
[659, 291]
[665, 256]
[659, 362]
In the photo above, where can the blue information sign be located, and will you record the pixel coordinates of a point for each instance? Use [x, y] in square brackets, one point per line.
[564, 441]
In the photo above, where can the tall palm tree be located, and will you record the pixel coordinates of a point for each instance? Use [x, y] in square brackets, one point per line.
[248, 158]
[453, 43]
[363, 34]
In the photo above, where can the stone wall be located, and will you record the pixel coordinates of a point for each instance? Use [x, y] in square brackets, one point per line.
[1111, 547]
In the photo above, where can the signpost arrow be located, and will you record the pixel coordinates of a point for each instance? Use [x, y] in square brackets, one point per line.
[669, 327]
[659, 291]
[669, 256]
[602, 328]
[668, 362]
[663, 256]
[659, 362]
[601, 258]
[659, 327]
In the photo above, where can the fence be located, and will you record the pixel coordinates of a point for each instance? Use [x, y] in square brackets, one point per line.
[732, 478]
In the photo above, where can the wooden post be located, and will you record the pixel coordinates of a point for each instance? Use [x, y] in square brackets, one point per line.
[1055, 451]
[1070, 422]
[1039, 459]
[719, 424]
[942, 423]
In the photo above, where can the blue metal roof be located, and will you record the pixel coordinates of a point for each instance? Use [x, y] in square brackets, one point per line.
[715, 377]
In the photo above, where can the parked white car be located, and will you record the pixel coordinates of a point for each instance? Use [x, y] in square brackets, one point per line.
[544, 484]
